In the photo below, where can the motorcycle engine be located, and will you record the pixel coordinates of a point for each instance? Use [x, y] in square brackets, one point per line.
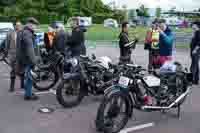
[171, 87]
[96, 79]
[163, 89]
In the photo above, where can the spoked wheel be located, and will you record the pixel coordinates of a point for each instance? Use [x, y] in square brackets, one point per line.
[70, 93]
[45, 80]
[2, 55]
[113, 113]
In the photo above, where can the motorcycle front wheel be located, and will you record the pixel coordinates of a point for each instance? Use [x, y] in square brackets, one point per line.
[70, 93]
[114, 118]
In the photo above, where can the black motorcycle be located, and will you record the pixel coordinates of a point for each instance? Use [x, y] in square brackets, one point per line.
[137, 90]
[88, 76]
[46, 74]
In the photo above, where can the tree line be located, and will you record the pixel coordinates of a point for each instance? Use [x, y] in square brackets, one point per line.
[49, 10]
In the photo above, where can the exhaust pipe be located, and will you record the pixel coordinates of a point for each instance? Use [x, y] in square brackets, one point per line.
[172, 104]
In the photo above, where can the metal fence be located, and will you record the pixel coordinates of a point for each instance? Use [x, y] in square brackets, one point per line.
[181, 39]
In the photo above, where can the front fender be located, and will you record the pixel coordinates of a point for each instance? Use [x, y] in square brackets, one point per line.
[72, 76]
[118, 88]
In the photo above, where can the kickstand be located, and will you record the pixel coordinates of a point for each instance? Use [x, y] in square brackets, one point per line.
[179, 112]
[132, 116]
[163, 111]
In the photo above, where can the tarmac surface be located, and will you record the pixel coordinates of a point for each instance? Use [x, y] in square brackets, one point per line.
[19, 116]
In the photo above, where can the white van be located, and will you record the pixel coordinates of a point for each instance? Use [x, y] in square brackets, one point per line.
[5, 27]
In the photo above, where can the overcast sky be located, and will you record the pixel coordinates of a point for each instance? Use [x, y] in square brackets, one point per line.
[165, 4]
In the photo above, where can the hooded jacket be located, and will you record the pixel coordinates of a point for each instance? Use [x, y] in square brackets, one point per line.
[166, 42]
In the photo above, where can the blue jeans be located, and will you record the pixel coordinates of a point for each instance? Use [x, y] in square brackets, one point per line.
[28, 83]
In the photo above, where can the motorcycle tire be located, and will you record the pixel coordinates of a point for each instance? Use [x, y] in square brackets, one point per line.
[48, 87]
[61, 97]
[100, 119]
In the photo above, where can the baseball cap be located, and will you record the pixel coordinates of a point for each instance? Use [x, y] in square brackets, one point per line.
[32, 20]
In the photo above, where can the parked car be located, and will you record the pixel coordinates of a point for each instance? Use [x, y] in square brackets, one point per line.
[83, 21]
[110, 23]
[5, 27]
[132, 23]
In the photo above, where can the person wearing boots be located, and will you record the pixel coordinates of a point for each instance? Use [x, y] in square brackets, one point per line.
[11, 49]
[125, 53]
[195, 52]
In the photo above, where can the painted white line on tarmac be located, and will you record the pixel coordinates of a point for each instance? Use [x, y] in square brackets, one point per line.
[37, 93]
[41, 93]
[139, 127]
[52, 91]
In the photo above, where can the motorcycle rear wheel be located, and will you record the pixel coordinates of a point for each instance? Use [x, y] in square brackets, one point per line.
[52, 83]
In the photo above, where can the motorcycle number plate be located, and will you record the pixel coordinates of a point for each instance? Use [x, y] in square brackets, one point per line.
[124, 81]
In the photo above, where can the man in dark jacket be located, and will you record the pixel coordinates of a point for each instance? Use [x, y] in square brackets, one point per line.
[195, 52]
[125, 53]
[25, 55]
[60, 39]
[77, 40]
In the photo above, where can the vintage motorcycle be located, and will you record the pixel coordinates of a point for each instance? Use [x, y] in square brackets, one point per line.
[47, 73]
[137, 90]
[89, 76]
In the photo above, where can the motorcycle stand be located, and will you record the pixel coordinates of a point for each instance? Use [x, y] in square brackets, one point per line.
[133, 117]
[179, 112]
[163, 111]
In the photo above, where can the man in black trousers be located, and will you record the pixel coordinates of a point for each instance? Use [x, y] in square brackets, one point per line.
[195, 52]
[125, 53]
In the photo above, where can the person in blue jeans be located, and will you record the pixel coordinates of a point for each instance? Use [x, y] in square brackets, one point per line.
[25, 56]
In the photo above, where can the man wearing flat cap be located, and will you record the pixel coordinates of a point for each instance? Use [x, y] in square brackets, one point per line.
[195, 52]
[25, 55]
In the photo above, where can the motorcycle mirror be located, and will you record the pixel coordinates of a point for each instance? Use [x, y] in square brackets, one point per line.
[93, 57]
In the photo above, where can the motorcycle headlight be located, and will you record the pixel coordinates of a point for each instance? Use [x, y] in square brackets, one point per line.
[74, 62]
